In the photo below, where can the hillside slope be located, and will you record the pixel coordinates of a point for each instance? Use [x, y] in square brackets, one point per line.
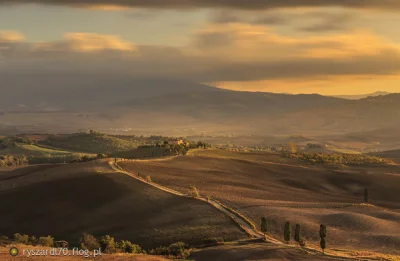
[67, 200]
[285, 191]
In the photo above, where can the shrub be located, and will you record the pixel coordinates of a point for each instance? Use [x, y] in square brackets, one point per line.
[89, 242]
[107, 244]
[33, 240]
[176, 250]
[4, 241]
[161, 251]
[46, 241]
[101, 156]
[22, 239]
[302, 242]
[180, 250]
[193, 192]
[128, 247]
[61, 243]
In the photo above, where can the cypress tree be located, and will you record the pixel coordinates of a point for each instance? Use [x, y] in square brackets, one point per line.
[323, 244]
[264, 225]
[297, 233]
[287, 232]
[322, 235]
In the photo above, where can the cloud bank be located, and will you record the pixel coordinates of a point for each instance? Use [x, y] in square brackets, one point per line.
[236, 4]
[216, 53]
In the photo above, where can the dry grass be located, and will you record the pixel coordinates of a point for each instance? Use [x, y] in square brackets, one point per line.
[280, 192]
[67, 200]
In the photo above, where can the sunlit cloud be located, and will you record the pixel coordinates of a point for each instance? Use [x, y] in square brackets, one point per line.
[85, 42]
[109, 7]
[222, 53]
[11, 36]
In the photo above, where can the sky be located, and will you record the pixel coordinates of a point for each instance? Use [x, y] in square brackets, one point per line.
[329, 47]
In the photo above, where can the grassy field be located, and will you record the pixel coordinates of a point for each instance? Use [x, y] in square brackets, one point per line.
[90, 143]
[67, 200]
[32, 150]
[260, 185]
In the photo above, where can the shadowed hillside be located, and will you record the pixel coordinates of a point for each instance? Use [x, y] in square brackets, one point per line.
[65, 201]
[180, 107]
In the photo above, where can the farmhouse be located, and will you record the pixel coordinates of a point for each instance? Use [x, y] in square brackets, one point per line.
[176, 141]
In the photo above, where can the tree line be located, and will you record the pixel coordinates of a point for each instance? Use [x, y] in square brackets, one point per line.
[345, 159]
[106, 243]
[21, 160]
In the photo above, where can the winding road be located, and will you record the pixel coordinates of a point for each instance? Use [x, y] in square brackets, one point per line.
[235, 217]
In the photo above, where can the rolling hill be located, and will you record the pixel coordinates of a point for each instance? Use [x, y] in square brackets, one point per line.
[179, 108]
[260, 186]
[362, 96]
[66, 200]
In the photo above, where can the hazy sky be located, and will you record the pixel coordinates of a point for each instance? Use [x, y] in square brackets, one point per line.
[302, 46]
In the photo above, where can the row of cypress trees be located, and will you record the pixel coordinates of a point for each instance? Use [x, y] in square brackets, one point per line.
[287, 233]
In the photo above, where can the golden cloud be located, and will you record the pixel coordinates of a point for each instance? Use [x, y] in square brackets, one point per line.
[251, 42]
[88, 42]
[11, 36]
[101, 7]
[233, 52]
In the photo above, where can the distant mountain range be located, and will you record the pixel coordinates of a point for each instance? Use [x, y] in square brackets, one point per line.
[361, 96]
[101, 102]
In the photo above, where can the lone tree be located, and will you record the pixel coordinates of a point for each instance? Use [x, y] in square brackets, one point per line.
[322, 235]
[148, 179]
[264, 226]
[366, 194]
[287, 232]
[193, 192]
[297, 233]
